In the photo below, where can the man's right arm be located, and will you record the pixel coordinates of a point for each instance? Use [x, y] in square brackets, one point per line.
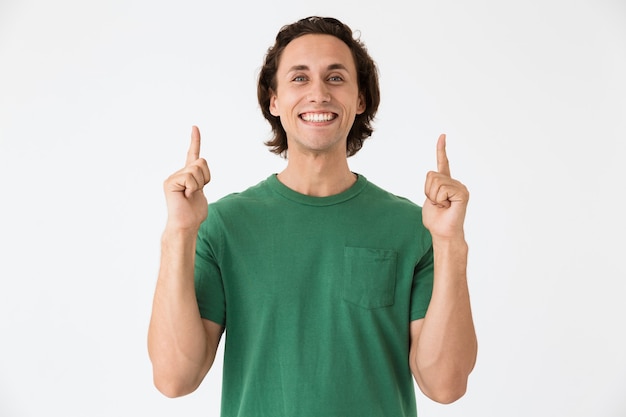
[182, 346]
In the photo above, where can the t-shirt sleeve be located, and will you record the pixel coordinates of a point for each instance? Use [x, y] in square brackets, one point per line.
[422, 288]
[207, 275]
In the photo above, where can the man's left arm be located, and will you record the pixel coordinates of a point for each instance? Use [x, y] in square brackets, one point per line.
[443, 344]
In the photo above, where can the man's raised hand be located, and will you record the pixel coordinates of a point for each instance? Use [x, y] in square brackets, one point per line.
[186, 203]
[446, 199]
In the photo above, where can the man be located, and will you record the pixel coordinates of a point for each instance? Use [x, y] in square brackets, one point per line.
[334, 293]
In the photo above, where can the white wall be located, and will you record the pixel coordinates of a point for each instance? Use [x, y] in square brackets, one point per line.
[96, 104]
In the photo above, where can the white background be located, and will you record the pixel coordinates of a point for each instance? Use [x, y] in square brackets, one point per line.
[97, 100]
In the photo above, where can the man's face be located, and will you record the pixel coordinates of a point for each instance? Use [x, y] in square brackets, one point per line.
[317, 95]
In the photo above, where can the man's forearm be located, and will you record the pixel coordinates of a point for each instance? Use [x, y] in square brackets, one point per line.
[177, 340]
[445, 352]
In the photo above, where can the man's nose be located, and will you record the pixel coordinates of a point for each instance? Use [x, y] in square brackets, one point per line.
[319, 92]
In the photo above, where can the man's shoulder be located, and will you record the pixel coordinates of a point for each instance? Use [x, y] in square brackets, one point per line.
[258, 192]
[381, 195]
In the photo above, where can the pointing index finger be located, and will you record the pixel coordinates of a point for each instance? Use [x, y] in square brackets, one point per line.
[193, 154]
[443, 166]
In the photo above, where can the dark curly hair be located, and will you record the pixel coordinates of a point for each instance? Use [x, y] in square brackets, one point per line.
[367, 75]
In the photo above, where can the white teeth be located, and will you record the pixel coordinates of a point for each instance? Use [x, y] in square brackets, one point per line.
[317, 117]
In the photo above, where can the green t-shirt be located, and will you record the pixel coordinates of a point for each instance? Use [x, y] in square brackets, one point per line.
[317, 295]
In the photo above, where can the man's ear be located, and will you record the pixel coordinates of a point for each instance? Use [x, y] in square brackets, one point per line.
[273, 107]
[360, 108]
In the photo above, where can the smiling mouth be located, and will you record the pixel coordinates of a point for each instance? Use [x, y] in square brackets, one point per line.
[318, 117]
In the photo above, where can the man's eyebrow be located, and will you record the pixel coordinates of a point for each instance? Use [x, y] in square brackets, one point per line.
[298, 68]
[330, 67]
[337, 67]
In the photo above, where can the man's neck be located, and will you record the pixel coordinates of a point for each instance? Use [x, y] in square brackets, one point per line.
[317, 175]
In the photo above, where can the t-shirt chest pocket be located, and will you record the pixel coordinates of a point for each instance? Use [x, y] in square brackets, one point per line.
[369, 277]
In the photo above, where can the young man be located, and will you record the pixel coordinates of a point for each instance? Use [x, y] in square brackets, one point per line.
[334, 293]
